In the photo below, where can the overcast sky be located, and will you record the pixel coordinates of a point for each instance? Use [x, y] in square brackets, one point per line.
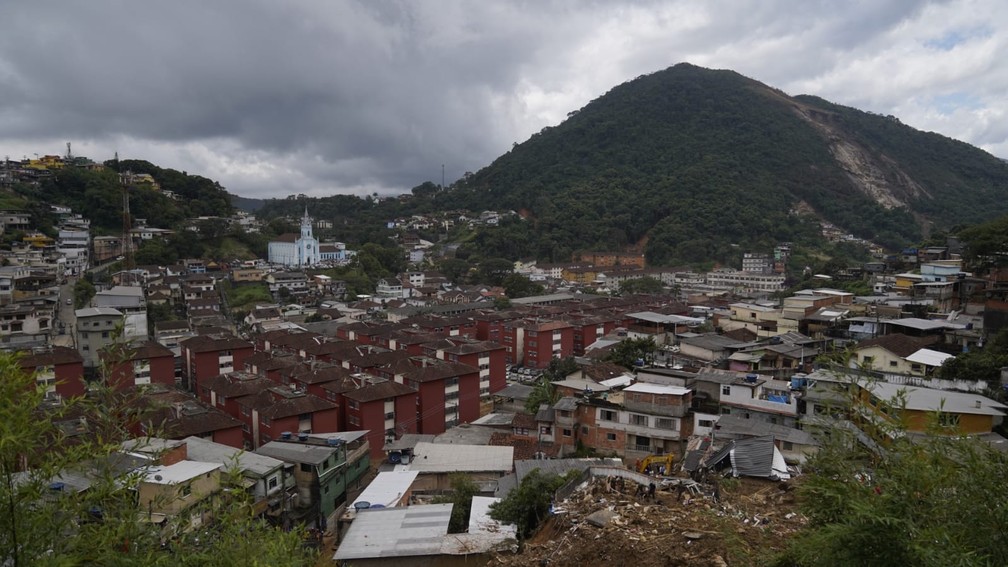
[319, 97]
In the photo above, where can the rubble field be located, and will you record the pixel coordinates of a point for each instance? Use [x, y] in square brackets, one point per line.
[606, 523]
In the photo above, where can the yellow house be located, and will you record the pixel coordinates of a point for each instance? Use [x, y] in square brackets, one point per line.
[889, 353]
[38, 240]
[580, 275]
[169, 491]
[917, 410]
[760, 319]
[904, 282]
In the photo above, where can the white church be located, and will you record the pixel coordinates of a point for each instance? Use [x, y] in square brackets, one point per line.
[291, 250]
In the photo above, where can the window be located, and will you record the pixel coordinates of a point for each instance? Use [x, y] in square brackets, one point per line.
[186, 490]
[352, 403]
[726, 390]
[390, 415]
[893, 363]
[665, 423]
[706, 423]
[305, 467]
[451, 382]
[273, 482]
[787, 445]
[607, 415]
[545, 430]
[567, 432]
[636, 419]
[610, 436]
[265, 421]
[867, 359]
[245, 428]
[354, 420]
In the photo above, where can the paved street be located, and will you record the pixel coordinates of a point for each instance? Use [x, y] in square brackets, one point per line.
[65, 316]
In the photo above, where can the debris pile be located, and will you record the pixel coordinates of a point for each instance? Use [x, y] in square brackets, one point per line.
[610, 522]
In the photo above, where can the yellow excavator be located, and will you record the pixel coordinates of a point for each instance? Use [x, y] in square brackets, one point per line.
[656, 462]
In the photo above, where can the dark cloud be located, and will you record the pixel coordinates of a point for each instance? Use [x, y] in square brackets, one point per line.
[321, 97]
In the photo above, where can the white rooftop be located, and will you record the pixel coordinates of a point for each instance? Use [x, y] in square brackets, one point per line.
[581, 384]
[387, 488]
[246, 461]
[396, 532]
[452, 457]
[480, 521]
[929, 357]
[179, 472]
[649, 388]
[928, 399]
[652, 317]
[618, 381]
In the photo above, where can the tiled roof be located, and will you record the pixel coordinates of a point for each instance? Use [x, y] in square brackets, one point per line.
[898, 344]
[212, 342]
[53, 356]
[382, 390]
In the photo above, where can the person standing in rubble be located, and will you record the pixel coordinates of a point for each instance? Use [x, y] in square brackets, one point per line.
[651, 491]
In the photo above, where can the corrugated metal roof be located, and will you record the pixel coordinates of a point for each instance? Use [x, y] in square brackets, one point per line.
[396, 532]
[452, 457]
[387, 488]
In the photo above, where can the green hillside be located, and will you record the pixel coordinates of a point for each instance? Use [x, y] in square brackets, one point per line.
[693, 161]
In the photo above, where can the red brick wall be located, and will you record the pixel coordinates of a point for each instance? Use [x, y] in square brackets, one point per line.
[432, 411]
[163, 370]
[70, 379]
[325, 421]
[469, 402]
[232, 437]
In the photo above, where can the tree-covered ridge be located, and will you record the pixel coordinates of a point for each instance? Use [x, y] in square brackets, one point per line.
[96, 194]
[697, 160]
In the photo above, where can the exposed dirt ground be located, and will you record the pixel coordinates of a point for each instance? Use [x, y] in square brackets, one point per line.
[753, 520]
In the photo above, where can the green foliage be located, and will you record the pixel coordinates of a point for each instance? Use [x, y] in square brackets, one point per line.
[986, 243]
[246, 296]
[642, 285]
[517, 285]
[542, 393]
[83, 291]
[494, 271]
[527, 505]
[932, 501]
[981, 364]
[99, 525]
[627, 352]
[462, 492]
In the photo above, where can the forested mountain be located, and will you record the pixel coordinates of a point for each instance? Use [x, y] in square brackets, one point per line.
[96, 194]
[691, 161]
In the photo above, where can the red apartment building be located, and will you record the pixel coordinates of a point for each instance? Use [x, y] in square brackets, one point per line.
[590, 328]
[59, 369]
[487, 356]
[172, 414]
[146, 363]
[280, 410]
[207, 356]
[448, 393]
[384, 408]
[534, 343]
